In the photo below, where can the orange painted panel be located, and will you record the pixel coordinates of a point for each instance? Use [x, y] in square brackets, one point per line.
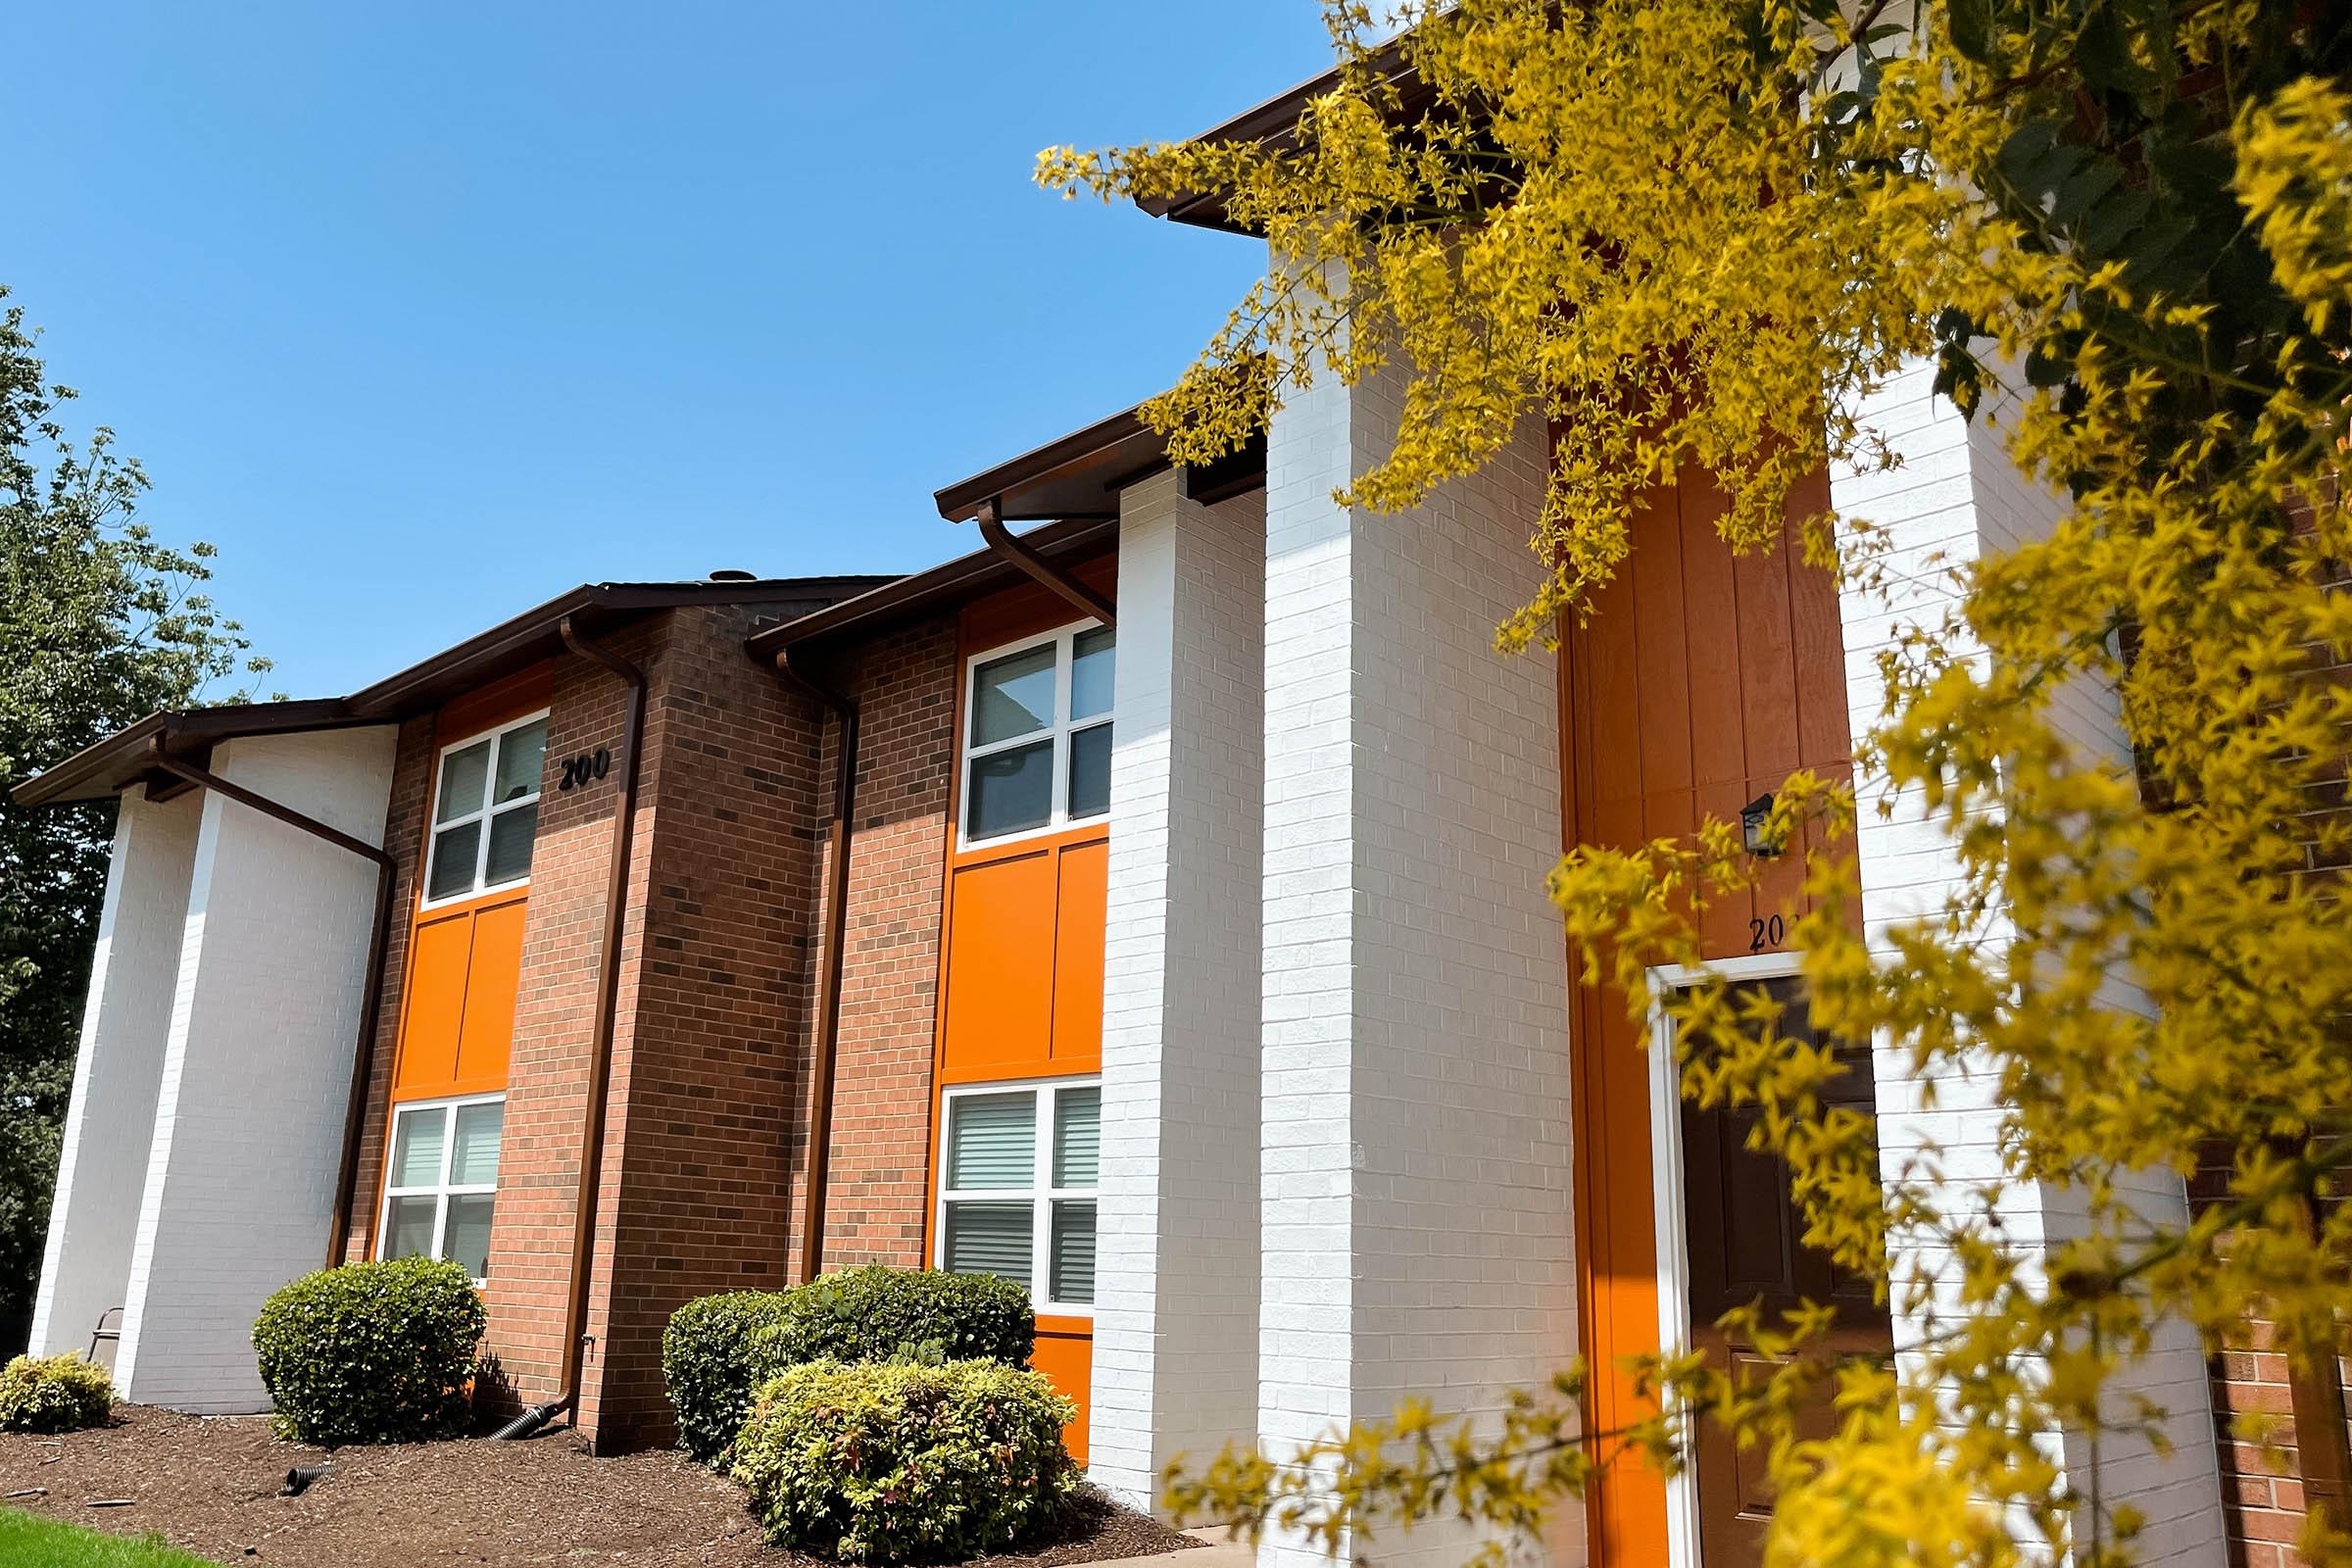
[1084, 883]
[1700, 680]
[433, 1009]
[1000, 993]
[1066, 1354]
[492, 980]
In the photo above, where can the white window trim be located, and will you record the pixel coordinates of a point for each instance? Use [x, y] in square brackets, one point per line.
[1041, 1191]
[444, 1190]
[1667, 1198]
[483, 814]
[1064, 639]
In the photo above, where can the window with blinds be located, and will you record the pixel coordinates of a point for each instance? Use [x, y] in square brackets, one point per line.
[1017, 1188]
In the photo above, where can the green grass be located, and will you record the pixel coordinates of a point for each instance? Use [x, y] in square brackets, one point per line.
[25, 1542]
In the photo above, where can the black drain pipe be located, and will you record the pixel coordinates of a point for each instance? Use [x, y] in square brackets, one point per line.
[372, 989]
[600, 1066]
[817, 1162]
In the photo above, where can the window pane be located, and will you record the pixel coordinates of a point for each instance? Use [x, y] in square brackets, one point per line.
[1013, 696]
[1090, 771]
[469, 1238]
[510, 844]
[991, 1141]
[409, 1228]
[1012, 790]
[463, 775]
[1077, 1136]
[416, 1148]
[991, 1239]
[474, 1162]
[521, 751]
[1072, 1276]
[452, 860]
[1090, 672]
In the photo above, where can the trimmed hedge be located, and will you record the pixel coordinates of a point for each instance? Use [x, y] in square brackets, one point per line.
[61, 1394]
[718, 1348]
[880, 1464]
[372, 1352]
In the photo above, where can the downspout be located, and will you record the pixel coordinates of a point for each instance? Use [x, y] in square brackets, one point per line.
[816, 1162]
[1003, 541]
[599, 1063]
[372, 989]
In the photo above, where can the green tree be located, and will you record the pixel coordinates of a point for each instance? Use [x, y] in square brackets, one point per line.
[100, 624]
[1701, 233]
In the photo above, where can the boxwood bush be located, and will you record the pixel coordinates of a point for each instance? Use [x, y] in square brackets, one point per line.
[372, 1352]
[718, 1348]
[896, 1462]
[60, 1394]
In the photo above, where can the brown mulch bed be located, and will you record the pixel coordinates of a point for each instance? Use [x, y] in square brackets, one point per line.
[210, 1485]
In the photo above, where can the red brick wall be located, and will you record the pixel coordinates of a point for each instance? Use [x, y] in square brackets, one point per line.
[878, 1188]
[705, 1131]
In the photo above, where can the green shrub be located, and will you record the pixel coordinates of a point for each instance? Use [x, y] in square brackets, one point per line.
[372, 1352]
[900, 1463]
[707, 1359]
[718, 1348]
[62, 1393]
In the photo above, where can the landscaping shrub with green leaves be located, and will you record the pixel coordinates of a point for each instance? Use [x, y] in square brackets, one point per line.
[60, 1394]
[372, 1352]
[718, 1348]
[896, 1462]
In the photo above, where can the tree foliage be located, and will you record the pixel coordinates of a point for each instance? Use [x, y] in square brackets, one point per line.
[1702, 233]
[100, 624]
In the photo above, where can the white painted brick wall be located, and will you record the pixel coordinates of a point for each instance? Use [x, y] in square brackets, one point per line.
[257, 1065]
[1175, 1368]
[86, 1270]
[1956, 496]
[1417, 1164]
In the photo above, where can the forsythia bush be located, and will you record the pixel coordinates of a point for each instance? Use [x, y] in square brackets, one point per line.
[372, 1352]
[718, 1348]
[902, 1463]
[63, 1393]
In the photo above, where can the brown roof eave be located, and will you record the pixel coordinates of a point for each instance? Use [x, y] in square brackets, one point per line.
[124, 759]
[927, 593]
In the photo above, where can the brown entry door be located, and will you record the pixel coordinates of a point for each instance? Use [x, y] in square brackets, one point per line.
[1744, 1229]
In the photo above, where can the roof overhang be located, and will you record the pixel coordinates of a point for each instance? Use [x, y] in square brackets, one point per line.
[1081, 475]
[937, 591]
[127, 759]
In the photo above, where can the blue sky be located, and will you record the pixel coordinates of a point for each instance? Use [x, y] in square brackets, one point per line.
[423, 312]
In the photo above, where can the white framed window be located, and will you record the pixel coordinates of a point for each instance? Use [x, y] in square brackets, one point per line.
[441, 1180]
[1017, 1173]
[1036, 733]
[485, 811]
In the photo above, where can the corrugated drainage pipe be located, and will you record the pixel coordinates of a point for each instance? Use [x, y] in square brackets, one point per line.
[837, 925]
[600, 1066]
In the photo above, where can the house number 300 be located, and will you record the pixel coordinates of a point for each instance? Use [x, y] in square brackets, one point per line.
[585, 768]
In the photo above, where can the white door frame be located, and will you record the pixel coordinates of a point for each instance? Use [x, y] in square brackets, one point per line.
[1667, 1198]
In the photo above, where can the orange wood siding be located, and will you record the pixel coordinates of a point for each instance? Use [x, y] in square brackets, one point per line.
[1700, 682]
[1021, 955]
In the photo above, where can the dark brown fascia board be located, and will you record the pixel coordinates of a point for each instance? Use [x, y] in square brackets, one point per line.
[125, 757]
[942, 588]
[535, 633]
[1275, 123]
[962, 501]
[121, 761]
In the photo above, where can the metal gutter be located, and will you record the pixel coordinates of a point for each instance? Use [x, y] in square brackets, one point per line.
[372, 990]
[1000, 540]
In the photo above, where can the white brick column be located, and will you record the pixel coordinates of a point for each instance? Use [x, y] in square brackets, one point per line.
[1175, 1366]
[102, 1170]
[248, 1128]
[1957, 497]
[1417, 1161]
